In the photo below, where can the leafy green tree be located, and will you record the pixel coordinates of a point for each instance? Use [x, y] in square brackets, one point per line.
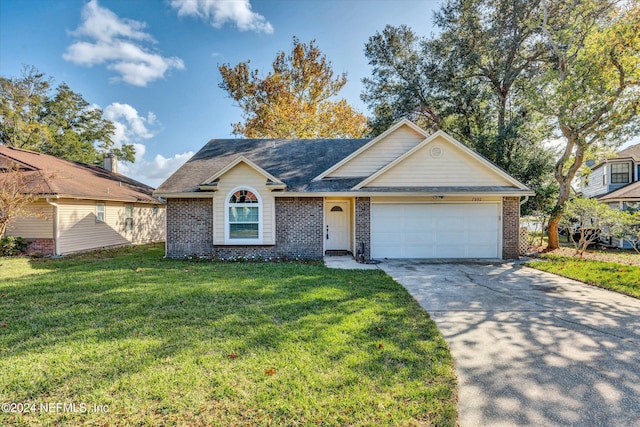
[61, 123]
[631, 228]
[470, 80]
[22, 107]
[587, 220]
[589, 83]
[295, 100]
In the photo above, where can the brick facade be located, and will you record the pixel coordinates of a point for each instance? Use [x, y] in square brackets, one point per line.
[363, 225]
[41, 246]
[510, 227]
[298, 230]
[189, 227]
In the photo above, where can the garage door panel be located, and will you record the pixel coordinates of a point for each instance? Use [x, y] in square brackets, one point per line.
[446, 237]
[419, 238]
[451, 223]
[430, 230]
[479, 251]
[480, 236]
[390, 238]
[449, 252]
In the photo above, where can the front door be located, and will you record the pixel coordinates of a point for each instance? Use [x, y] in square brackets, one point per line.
[337, 226]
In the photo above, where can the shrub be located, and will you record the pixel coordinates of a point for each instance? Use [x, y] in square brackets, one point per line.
[12, 246]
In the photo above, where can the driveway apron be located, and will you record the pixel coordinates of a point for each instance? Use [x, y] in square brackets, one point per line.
[531, 348]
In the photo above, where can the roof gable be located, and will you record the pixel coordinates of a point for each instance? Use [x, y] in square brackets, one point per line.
[378, 152]
[440, 160]
[233, 164]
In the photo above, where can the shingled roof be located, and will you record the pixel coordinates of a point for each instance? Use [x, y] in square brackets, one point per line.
[53, 176]
[296, 162]
[631, 152]
[628, 192]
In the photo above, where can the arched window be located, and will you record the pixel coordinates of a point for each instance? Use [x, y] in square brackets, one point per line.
[243, 217]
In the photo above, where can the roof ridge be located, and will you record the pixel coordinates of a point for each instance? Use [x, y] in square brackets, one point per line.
[23, 150]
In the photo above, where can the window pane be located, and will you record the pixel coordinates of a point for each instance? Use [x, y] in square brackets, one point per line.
[100, 212]
[243, 196]
[620, 168]
[243, 231]
[243, 214]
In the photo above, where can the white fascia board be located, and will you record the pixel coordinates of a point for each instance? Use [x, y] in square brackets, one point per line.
[407, 194]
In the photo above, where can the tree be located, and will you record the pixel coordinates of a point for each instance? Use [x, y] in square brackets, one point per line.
[61, 123]
[14, 199]
[470, 80]
[587, 220]
[295, 100]
[589, 84]
[631, 228]
[21, 109]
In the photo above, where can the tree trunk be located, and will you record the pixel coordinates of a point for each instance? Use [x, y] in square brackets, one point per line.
[564, 179]
[554, 239]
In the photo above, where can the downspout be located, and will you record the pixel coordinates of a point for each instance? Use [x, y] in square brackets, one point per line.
[56, 229]
[526, 199]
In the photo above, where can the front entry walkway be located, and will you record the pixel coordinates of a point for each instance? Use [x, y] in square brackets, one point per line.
[531, 348]
[346, 262]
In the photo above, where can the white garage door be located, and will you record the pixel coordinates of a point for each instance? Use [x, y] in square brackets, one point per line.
[423, 230]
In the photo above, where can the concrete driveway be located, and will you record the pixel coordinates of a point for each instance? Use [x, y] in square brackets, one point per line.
[532, 348]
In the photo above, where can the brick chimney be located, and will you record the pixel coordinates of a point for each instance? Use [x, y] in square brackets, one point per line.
[110, 163]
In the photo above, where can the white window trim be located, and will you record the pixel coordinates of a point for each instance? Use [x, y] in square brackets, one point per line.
[227, 239]
[104, 212]
[628, 173]
[126, 207]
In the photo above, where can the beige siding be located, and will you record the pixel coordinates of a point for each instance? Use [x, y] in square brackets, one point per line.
[39, 226]
[380, 154]
[243, 175]
[453, 167]
[79, 230]
[148, 226]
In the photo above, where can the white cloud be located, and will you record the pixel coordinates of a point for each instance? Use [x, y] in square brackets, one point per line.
[219, 12]
[130, 127]
[154, 172]
[118, 43]
[133, 128]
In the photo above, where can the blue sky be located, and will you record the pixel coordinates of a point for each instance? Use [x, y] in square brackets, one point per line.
[152, 65]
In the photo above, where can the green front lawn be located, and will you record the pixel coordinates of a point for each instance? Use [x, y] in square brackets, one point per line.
[615, 276]
[162, 342]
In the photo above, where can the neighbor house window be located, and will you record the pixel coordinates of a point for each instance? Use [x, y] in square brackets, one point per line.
[243, 217]
[128, 217]
[99, 212]
[620, 173]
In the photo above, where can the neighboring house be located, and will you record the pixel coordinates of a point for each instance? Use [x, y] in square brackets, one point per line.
[616, 182]
[403, 194]
[613, 173]
[81, 207]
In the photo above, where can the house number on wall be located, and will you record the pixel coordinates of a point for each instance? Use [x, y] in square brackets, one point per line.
[476, 199]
